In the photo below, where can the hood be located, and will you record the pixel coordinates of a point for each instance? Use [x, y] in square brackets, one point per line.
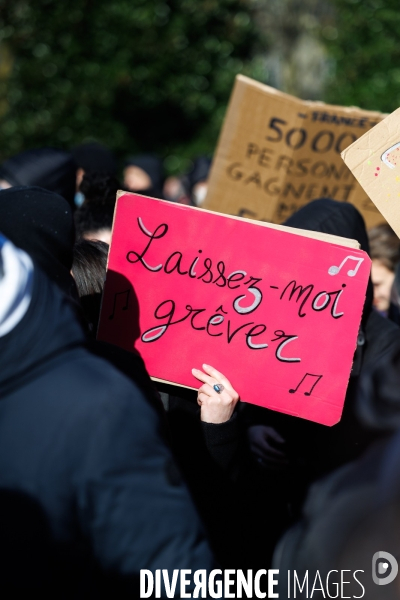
[153, 166]
[329, 216]
[41, 223]
[47, 328]
[337, 218]
[49, 168]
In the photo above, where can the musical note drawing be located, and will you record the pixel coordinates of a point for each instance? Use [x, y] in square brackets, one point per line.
[318, 377]
[122, 294]
[385, 156]
[334, 270]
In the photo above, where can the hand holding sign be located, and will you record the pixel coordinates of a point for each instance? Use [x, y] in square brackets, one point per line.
[217, 406]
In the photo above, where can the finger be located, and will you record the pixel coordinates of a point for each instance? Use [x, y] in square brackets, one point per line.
[203, 377]
[202, 398]
[207, 390]
[218, 376]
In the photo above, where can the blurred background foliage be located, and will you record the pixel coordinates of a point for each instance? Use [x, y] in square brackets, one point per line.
[365, 48]
[156, 75]
[138, 75]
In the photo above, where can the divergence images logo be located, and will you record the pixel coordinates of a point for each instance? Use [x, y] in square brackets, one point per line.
[384, 568]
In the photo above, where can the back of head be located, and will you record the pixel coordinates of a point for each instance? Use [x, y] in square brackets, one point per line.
[49, 168]
[41, 223]
[329, 216]
[94, 218]
[94, 222]
[94, 157]
[89, 266]
[99, 187]
[89, 271]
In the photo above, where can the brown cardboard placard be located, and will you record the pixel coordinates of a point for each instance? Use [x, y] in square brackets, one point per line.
[374, 159]
[276, 153]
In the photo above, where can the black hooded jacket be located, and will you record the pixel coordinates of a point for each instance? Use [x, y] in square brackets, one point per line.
[83, 453]
[307, 450]
[317, 449]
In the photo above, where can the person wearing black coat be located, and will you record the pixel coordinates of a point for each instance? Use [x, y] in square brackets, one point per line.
[307, 450]
[83, 454]
[287, 453]
[355, 511]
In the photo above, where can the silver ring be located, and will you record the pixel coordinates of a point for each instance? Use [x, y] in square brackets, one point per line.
[218, 387]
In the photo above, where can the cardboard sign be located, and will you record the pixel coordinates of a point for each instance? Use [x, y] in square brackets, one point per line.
[275, 311]
[277, 153]
[374, 159]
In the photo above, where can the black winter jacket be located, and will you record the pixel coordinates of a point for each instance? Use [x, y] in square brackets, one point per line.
[89, 491]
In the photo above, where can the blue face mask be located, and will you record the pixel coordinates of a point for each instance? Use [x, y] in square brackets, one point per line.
[79, 199]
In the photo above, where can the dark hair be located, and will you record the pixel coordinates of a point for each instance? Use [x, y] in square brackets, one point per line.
[89, 266]
[93, 217]
[89, 271]
[97, 211]
[99, 187]
[384, 245]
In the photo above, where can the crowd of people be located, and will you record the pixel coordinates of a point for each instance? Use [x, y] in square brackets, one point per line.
[103, 474]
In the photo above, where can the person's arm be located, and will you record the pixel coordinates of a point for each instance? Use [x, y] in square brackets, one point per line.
[221, 428]
[217, 400]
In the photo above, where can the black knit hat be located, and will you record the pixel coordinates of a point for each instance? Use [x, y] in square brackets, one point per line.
[41, 223]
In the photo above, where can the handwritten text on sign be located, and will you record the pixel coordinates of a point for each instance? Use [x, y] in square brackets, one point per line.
[276, 153]
[276, 312]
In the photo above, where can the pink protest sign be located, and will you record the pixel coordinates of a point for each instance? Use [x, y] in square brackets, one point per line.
[276, 312]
